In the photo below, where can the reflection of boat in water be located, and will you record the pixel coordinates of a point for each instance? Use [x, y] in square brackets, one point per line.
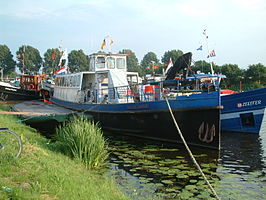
[28, 89]
[244, 111]
[242, 153]
[141, 109]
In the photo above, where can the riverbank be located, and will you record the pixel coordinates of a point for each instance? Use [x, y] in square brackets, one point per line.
[43, 173]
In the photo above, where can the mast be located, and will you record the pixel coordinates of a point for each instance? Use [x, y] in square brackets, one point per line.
[22, 55]
[206, 38]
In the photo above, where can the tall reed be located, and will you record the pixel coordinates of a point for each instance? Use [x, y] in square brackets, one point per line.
[84, 140]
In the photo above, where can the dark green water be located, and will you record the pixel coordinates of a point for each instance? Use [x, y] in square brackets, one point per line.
[149, 170]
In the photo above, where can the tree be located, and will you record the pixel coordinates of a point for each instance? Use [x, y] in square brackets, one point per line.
[148, 59]
[233, 75]
[29, 59]
[149, 62]
[132, 62]
[205, 67]
[173, 54]
[256, 74]
[51, 60]
[78, 61]
[6, 60]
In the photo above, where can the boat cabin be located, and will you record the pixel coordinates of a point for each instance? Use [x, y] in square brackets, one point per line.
[31, 82]
[107, 72]
[103, 61]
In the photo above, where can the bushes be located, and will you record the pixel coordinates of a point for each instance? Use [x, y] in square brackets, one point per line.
[84, 141]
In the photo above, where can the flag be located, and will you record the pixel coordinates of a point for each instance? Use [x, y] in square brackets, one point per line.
[211, 54]
[169, 65]
[62, 70]
[111, 42]
[155, 67]
[200, 48]
[204, 33]
[53, 55]
[63, 57]
[103, 44]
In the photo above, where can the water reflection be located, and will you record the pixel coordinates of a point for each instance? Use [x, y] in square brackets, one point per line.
[149, 170]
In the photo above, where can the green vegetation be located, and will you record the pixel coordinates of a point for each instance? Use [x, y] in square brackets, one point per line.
[253, 76]
[78, 61]
[6, 60]
[31, 57]
[84, 141]
[42, 172]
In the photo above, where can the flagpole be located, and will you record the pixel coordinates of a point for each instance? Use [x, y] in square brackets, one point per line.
[206, 38]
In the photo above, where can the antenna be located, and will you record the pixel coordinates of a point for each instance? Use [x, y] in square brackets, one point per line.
[206, 38]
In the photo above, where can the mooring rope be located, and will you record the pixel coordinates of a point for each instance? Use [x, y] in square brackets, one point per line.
[189, 151]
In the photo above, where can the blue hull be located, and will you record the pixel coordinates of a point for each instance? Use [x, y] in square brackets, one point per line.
[243, 112]
[198, 116]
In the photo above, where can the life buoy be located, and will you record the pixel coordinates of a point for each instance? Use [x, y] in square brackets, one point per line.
[31, 86]
[166, 90]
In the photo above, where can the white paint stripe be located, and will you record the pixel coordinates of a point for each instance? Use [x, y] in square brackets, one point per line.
[237, 114]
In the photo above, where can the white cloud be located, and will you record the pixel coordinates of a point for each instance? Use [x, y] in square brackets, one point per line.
[194, 8]
[250, 4]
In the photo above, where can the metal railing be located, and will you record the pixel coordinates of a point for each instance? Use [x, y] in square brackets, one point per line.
[153, 91]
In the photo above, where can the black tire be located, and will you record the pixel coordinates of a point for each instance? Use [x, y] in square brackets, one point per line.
[10, 144]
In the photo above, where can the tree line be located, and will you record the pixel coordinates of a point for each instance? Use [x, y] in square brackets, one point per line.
[29, 60]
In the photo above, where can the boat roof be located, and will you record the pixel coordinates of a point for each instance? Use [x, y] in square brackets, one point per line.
[107, 54]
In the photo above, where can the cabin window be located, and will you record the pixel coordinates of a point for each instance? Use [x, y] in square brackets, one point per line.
[247, 119]
[64, 81]
[100, 62]
[57, 81]
[120, 63]
[77, 80]
[92, 64]
[110, 63]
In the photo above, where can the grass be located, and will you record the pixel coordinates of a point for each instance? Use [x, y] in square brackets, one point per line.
[83, 140]
[42, 172]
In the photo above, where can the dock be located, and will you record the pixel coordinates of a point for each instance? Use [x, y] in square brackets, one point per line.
[40, 114]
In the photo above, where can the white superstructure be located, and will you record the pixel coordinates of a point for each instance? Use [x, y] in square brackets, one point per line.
[104, 71]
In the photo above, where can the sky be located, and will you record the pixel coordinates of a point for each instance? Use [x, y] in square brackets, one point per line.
[236, 29]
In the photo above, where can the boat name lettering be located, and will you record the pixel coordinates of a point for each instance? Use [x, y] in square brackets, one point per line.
[142, 106]
[249, 103]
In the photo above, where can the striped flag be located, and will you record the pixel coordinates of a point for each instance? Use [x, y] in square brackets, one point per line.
[211, 54]
[169, 65]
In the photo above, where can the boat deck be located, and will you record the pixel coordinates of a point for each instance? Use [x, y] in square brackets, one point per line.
[42, 115]
[37, 108]
[40, 108]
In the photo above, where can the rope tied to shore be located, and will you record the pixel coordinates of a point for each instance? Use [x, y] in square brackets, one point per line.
[189, 151]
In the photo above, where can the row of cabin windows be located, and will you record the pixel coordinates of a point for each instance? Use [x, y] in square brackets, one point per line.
[26, 79]
[69, 81]
[111, 63]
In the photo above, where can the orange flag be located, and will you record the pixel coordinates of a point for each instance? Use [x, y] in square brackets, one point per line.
[103, 44]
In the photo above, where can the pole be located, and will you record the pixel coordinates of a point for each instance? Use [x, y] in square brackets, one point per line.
[206, 38]
[23, 55]
[22, 70]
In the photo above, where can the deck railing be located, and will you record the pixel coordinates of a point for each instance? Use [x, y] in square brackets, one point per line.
[153, 91]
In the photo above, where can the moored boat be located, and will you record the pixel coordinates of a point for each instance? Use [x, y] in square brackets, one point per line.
[105, 92]
[28, 89]
[243, 111]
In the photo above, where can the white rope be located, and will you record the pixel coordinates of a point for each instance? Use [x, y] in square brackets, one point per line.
[190, 153]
